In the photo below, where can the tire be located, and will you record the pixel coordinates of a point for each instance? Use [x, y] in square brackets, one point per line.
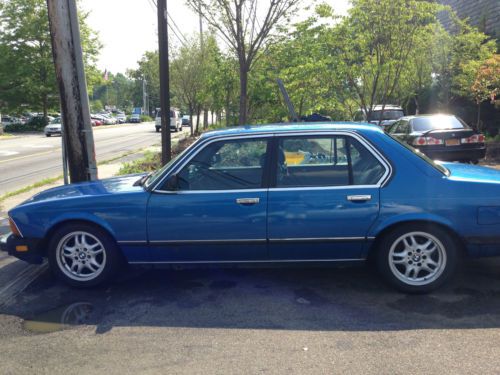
[417, 258]
[83, 255]
[48, 135]
[157, 130]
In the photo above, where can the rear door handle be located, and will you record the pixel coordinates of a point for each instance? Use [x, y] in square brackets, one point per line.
[247, 201]
[359, 198]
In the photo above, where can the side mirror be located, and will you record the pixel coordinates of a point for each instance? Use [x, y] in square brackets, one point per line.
[172, 184]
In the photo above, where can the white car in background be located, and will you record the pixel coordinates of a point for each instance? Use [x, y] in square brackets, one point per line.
[53, 128]
[175, 120]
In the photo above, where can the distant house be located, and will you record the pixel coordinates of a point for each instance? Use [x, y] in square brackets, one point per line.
[484, 14]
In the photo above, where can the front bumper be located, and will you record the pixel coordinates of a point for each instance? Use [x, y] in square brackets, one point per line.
[27, 249]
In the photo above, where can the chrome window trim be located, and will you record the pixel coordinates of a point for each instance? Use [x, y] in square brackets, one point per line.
[211, 191]
[252, 261]
[373, 150]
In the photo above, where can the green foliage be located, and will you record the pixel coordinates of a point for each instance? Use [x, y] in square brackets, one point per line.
[27, 75]
[146, 118]
[36, 124]
[151, 161]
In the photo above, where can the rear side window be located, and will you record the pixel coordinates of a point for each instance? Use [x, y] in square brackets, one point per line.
[325, 161]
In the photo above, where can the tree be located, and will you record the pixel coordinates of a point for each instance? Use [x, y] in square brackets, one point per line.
[374, 44]
[148, 70]
[28, 75]
[238, 23]
[457, 58]
[187, 79]
[486, 83]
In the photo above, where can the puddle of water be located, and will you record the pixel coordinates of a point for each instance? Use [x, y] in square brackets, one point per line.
[63, 317]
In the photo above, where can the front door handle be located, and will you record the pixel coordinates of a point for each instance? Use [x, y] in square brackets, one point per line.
[247, 201]
[359, 198]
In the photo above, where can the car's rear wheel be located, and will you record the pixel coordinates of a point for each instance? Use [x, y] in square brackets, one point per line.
[417, 258]
[83, 255]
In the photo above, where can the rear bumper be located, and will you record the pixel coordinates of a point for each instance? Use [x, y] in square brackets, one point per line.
[454, 154]
[27, 249]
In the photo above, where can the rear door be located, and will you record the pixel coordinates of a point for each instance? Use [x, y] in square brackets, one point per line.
[325, 197]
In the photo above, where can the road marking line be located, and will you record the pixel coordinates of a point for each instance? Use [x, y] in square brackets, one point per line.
[38, 146]
[26, 156]
[8, 153]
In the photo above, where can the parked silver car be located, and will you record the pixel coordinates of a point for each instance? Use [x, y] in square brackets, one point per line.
[53, 128]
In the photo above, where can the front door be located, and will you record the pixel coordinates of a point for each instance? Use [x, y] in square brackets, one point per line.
[324, 198]
[217, 212]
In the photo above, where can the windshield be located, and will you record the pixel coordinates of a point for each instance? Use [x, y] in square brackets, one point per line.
[422, 124]
[386, 115]
[437, 166]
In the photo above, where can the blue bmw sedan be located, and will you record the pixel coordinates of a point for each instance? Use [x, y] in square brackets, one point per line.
[302, 193]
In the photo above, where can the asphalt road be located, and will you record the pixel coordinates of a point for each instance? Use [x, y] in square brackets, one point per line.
[30, 158]
[254, 321]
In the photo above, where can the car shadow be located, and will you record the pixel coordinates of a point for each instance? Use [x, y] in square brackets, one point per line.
[322, 299]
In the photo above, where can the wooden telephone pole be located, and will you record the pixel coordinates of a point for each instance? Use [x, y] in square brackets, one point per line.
[75, 114]
[164, 82]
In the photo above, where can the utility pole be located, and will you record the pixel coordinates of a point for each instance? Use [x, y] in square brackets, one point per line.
[202, 49]
[164, 81]
[75, 113]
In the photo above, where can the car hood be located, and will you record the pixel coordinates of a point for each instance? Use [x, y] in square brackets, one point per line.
[123, 184]
[473, 173]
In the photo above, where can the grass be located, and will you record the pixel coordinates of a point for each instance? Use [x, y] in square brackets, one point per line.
[25, 189]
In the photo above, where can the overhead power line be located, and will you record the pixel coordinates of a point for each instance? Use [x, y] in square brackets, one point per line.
[183, 40]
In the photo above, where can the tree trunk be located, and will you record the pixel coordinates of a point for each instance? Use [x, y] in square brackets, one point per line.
[212, 117]
[417, 105]
[45, 105]
[478, 122]
[198, 114]
[191, 110]
[243, 95]
[205, 119]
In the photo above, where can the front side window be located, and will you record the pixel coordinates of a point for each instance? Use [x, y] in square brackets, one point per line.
[226, 165]
[325, 161]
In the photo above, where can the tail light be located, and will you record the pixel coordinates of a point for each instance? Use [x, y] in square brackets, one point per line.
[476, 138]
[425, 141]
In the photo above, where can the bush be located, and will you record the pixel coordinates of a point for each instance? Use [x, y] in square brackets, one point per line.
[151, 161]
[36, 124]
[146, 118]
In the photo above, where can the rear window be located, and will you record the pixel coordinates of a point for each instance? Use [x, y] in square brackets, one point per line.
[422, 124]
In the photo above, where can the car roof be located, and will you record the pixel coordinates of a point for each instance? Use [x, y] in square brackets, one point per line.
[293, 127]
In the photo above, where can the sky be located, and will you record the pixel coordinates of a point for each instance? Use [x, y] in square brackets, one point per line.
[128, 28]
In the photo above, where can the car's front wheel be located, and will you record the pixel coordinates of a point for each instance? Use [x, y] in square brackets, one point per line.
[417, 258]
[83, 255]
